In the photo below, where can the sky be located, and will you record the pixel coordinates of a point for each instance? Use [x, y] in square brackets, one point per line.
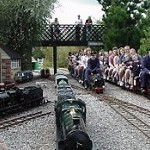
[67, 10]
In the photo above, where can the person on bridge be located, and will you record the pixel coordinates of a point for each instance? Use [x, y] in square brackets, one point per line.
[78, 24]
[88, 25]
[145, 72]
[56, 29]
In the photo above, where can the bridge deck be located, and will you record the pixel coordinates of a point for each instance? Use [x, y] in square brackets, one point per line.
[72, 35]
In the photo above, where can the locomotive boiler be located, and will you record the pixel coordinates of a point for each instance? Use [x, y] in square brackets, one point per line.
[70, 118]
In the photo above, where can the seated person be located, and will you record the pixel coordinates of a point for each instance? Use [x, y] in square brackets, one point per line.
[145, 72]
[105, 65]
[93, 67]
[111, 62]
[125, 62]
[134, 68]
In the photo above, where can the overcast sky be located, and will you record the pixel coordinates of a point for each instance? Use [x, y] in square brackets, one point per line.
[67, 10]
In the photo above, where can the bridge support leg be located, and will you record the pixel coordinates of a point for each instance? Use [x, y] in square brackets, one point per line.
[0, 68]
[55, 59]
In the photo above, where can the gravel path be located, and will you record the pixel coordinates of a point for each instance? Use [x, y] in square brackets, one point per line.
[36, 134]
[127, 96]
[107, 129]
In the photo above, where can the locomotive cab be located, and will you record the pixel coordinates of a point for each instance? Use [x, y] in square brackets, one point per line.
[61, 79]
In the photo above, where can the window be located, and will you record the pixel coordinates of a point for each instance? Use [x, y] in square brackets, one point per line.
[15, 63]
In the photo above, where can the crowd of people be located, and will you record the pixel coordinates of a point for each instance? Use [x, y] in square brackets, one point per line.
[122, 65]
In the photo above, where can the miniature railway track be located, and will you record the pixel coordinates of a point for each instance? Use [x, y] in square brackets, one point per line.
[17, 120]
[127, 105]
[125, 109]
[77, 87]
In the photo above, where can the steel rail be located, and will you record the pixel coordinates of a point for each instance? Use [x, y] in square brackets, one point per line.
[15, 121]
[121, 107]
[131, 118]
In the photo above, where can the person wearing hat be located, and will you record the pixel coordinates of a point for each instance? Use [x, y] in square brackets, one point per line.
[145, 72]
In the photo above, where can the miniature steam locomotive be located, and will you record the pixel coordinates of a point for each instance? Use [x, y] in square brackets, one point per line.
[70, 118]
[96, 83]
[45, 73]
[20, 98]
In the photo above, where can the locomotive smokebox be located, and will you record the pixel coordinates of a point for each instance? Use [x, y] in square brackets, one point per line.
[78, 140]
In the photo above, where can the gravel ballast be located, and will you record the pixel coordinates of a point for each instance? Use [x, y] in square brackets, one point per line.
[107, 129]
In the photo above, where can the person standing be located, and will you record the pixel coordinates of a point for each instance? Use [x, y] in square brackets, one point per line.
[56, 29]
[78, 24]
[88, 25]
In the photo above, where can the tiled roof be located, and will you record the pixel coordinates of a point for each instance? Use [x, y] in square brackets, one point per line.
[11, 53]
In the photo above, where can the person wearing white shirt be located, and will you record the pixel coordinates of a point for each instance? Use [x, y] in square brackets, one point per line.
[79, 21]
[84, 60]
[78, 24]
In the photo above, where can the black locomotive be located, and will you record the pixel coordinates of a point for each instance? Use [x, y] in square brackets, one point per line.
[20, 98]
[96, 83]
[70, 118]
[45, 73]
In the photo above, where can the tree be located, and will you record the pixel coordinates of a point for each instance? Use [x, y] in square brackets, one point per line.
[22, 23]
[38, 53]
[145, 41]
[123, 20]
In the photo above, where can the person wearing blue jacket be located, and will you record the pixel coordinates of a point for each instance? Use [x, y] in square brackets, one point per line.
[145, 72]
[93, 67]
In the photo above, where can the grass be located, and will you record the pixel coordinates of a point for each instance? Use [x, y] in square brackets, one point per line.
[62, 55]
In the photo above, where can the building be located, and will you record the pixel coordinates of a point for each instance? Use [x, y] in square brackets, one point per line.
[10, 63]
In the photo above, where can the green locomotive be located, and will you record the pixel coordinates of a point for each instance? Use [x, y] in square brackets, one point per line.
[70, 118]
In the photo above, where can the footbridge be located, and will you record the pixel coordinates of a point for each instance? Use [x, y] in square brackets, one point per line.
[71, 35]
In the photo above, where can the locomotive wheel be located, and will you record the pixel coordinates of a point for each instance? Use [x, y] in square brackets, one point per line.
[99, 91]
